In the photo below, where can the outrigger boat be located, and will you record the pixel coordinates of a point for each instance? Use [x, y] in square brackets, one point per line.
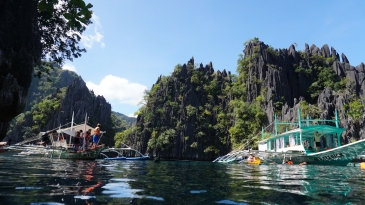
[298, 145]
[124, 153]
[59, 148]
[64, 151]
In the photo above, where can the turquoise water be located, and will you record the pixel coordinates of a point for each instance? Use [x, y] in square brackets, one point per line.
[36, 180]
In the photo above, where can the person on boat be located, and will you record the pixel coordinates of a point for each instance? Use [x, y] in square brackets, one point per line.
[317, 139]
[77, 140]
[45, 139]
[96, 135]
[251, 158]
[54, 135]
[87, 138]
[303, 163]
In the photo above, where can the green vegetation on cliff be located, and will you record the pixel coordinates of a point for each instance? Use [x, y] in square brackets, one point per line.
[199, 113]
[52, 100]
[44, 97]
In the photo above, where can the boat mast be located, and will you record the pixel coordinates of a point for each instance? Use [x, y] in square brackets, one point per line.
[72, 123]
[262, 133]
[83, 143]
[275, 125]
[300, 126]
[338, 133]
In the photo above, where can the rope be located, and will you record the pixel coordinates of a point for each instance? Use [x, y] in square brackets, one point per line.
[252, 139]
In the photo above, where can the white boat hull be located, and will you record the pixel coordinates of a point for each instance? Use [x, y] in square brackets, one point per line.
[337, 156]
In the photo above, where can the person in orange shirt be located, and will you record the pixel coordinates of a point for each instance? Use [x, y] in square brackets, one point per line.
[96, 135]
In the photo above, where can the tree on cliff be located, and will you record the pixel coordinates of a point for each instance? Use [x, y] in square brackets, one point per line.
[29, 31]
[61, 24]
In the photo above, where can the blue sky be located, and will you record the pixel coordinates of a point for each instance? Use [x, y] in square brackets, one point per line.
[131, 43]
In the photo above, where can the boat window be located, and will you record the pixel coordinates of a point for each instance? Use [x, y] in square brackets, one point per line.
[306, 143]
[291, 141]
[272, 145]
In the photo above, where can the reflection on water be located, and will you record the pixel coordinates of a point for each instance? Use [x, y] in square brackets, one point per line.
[44, 181]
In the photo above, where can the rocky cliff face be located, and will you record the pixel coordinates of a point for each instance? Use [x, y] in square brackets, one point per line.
[78, 100]
[193, 113]
[81, 101]
[288, 76]
[180, 117]
[18, 53]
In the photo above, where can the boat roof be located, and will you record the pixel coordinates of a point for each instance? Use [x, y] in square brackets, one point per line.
[75, 128]
[83, 127]
[308, 132]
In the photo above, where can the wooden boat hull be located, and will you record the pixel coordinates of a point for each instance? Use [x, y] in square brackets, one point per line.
[90, 154]
[340, 156]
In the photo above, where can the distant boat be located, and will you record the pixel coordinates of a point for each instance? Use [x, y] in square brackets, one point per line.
[298, 145]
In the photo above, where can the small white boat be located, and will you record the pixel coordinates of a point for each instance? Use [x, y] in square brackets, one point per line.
[124, 153]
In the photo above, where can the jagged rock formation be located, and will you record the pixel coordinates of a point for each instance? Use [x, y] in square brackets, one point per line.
[288, 76]
[80, 100]
[40, 89]
[177, 121]
[18, 53]
[180, 117]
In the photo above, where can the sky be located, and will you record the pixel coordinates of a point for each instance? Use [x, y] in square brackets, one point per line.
[131, 43]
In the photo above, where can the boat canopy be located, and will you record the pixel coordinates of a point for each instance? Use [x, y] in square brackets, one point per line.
[75, 128]
[308, 132]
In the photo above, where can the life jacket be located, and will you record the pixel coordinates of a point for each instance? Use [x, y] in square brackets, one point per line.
[97, 131]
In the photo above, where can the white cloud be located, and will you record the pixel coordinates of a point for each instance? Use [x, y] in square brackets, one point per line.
[132, 115]
[69, 67]
[88, 40]
[116, 88]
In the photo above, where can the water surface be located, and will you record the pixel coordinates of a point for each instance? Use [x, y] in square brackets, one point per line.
[38, 180]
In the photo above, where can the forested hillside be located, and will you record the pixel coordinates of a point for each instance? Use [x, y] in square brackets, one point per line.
[48, 84]
[122, 120]
[199, 113]
[46, 93]
[54, 98]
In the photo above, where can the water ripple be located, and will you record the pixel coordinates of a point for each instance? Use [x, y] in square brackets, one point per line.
[44, 181]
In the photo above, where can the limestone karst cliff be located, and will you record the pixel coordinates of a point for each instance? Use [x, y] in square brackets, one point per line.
[316, 76]
[56, 109]
[19, 51]
[198, 113]
[180, 118]
[80, 101]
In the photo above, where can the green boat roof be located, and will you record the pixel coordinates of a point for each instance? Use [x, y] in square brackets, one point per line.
[307, 132]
